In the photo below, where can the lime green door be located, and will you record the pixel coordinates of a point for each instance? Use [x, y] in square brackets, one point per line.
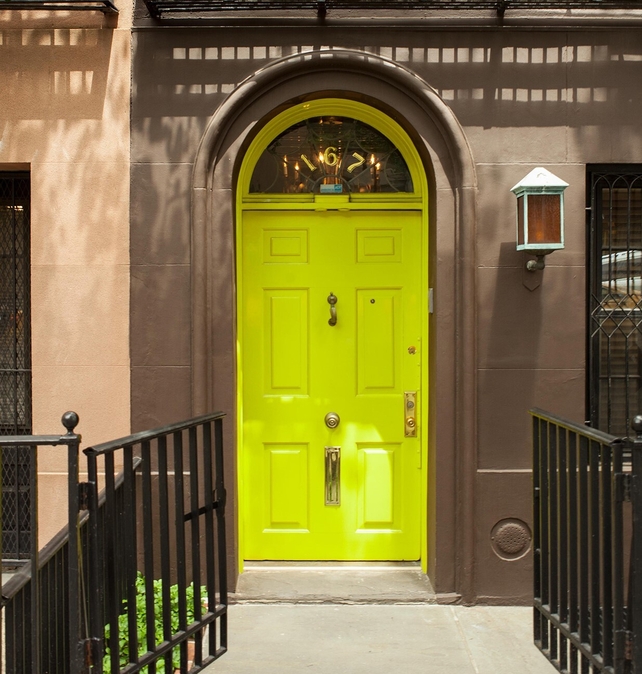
[314, 492]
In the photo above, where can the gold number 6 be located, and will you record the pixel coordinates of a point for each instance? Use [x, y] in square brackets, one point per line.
[331, 158]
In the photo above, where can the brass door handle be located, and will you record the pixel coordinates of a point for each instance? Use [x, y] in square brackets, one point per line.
[333, 476]
[332, 301]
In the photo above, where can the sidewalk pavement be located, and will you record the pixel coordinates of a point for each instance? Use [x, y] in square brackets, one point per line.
[368, 619]
[373, 639]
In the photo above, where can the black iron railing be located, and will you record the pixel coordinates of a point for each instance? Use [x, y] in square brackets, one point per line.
[138, 578]
[586, 535]
[25, 615]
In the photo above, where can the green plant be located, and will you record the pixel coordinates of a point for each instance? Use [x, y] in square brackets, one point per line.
[141, 622]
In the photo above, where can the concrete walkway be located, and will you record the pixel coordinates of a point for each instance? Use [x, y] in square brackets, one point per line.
[307, 626]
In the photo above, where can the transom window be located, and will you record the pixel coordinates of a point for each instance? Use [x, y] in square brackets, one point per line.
[331, 155]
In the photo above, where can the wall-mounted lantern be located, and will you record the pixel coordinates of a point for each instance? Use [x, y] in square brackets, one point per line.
[540, 215]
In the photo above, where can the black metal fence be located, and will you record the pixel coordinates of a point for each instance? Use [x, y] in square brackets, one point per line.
[587, 512]
[137, 580]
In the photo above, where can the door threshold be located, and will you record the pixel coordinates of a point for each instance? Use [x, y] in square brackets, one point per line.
[317, 582]
[327, 565]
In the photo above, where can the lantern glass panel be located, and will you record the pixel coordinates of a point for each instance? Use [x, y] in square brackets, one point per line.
[520, 221]
[544, 218]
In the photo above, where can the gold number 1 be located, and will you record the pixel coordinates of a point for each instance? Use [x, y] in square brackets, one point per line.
[309, 164]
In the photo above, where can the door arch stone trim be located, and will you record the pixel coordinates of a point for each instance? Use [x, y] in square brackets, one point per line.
[452, 186]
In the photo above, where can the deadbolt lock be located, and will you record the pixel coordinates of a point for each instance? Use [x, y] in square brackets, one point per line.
[410, 414]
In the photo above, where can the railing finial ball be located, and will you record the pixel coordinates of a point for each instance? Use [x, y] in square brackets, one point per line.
[70, 421]
[636, 424]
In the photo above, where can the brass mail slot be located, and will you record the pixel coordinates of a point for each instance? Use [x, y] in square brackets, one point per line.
[333, 475]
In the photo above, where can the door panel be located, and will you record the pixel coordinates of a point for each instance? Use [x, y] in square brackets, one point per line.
[285, 498]
[297, 368]
[286, 341]
[378, 340]
[379, 488]
[378, 245]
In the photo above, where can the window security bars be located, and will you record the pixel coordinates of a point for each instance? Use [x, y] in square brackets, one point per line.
[615, 297]
[587, 509]
[15, 362]
[139, 575]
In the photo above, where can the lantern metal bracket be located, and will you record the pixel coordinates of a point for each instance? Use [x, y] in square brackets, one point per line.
[536, 265]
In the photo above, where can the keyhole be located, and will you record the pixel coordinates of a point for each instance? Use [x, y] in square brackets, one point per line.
[372, 301]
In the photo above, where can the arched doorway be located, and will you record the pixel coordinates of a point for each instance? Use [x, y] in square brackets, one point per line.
[332, 326]
[448, 530]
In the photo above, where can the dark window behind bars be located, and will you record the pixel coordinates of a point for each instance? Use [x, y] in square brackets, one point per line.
[15, 361]
[615, 297]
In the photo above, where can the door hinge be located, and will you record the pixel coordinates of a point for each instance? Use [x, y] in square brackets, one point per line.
[431, 308]
[90, 652]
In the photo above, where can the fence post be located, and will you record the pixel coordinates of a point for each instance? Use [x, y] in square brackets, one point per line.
[635, 595]
[35, 556]
[76, 665]
[3, 627]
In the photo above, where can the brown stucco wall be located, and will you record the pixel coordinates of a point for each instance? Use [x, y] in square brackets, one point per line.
[65, 81]
[557, 98]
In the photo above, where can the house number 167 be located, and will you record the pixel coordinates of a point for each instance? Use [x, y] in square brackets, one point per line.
[331, 159]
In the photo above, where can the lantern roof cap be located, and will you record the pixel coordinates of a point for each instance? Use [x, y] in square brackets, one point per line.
[540, 179]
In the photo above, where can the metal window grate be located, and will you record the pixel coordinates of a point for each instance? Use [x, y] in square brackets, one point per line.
[259, 5]
[104, 6]
[158, 8]
[615, 298]
[15, 361]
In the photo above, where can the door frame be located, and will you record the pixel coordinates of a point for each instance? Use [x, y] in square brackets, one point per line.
[417, 201]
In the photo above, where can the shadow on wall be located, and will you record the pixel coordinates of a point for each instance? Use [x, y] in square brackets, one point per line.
[489, 79]
[64, 113]
[54, 73]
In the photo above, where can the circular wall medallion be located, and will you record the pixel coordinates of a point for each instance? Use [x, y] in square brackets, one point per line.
[510, 538]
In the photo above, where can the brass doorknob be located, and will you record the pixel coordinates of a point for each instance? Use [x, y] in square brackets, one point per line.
[332, 419]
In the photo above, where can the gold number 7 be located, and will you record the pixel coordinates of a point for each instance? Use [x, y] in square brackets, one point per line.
[360, 160]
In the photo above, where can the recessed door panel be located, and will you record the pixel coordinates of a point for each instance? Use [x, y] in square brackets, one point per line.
[286, 486]
[285, 246]
[330, 342]
[378, 338]
[379, 245]
[379, 486]
[286, 341]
